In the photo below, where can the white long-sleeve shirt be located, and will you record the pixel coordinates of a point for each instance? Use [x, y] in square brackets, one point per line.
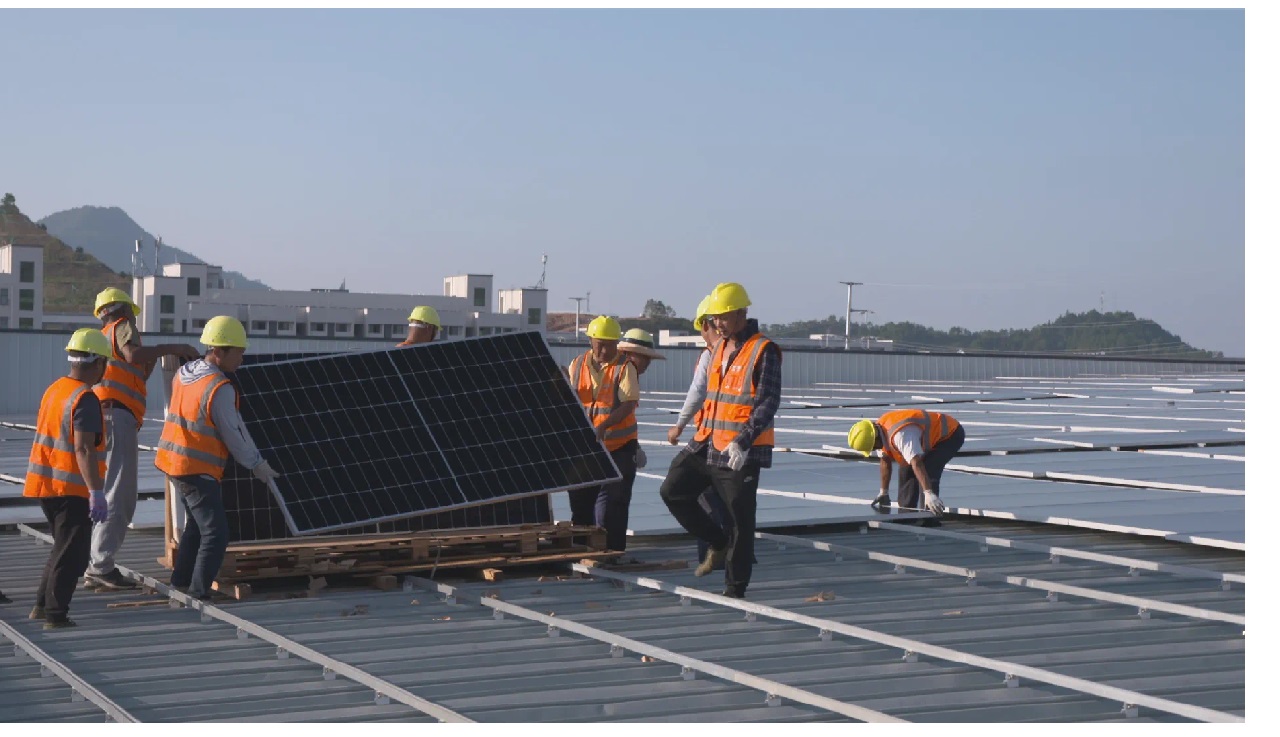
[908, 442]
[225, 416]
[697, 390]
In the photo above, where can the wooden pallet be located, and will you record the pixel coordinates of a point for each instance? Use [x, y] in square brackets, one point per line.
[385, 554]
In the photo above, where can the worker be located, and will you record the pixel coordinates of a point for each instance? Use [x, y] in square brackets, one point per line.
[202, 430]
[734, 439]
[123, 394]
[424, 326]
[608, 387]
[66, 473]
[637, 345]
[920, 443]
[710, 501]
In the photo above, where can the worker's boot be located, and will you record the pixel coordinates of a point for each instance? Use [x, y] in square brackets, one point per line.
[714, 560]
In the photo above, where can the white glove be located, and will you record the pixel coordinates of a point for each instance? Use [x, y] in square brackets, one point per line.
[882, 500]
[642, 460]
[737, 457]
[264, 472]
[933, 503]
[98, 506]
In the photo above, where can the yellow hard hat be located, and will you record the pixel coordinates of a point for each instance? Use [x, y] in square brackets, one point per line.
[604, 328]
[727, 297]
[224, 331]
[88, 340]
[862, 436]
[425, 314]
[701, 312]
[110, 296]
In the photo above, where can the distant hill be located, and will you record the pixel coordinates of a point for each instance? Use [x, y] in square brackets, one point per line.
[109, 233]
[1088, 333]
[71, 278]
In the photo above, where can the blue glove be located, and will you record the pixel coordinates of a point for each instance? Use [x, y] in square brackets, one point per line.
[97, 506]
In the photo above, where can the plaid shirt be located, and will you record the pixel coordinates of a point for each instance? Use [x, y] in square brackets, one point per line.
[768, 373]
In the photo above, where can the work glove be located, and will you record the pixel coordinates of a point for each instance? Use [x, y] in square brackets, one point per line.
[933, 503]
[642, 460]
[882, 500]
[264, 472]
[737, 457]
[673, 434]
[97, 506]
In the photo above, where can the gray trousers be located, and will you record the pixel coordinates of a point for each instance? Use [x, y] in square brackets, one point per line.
[121, 487]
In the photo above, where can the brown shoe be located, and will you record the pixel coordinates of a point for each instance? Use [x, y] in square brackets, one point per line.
[715, 559]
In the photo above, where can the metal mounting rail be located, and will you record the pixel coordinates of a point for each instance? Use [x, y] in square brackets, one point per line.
[912, 648]
[1143, 605]
[384, 691]
[1134, 564]
[774, 691]
[81, 690]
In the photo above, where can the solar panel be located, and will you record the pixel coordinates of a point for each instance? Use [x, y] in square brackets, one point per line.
[371, 437]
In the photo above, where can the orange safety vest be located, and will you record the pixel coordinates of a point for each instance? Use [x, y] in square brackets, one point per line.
[702, 432]
[189, 443]
[53, 470]
[731, 392]
[935, 427]
[122, 382]
[605, 399]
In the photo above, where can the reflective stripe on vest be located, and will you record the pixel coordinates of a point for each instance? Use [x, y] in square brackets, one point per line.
[701, 431]
[935, 427]
[604, 401]
[122, 382]
[732, 393]
[189, 443]
[53, 469]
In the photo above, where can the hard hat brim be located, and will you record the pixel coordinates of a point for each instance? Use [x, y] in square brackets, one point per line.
[641, 350]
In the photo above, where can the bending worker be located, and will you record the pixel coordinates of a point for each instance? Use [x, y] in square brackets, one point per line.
[424, 326]
[921, 443]
[608, 387]
[65, 473]
[123, 394]
[733, 442]
[692, 411]
[201, 432]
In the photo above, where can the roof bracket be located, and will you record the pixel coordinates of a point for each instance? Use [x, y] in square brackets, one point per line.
[782, 546]
[983, 548]
[450, 599]
[241, 634]
[909, 656]
[971, 579]
[282, 654]
[1133, 571]
[824, 635]
[553, 631]
[839, 558]
[328, 674]
[899, 568]
[750, 617]
[688, 673]
[381, 699]
[45, 672]
[1226, 585]
[1010, 680]
[1051, 596]
[864, 529]
[628, 586]
[498, 614]
[773, 700]
[204, 616]
[1130, 711]
[1144, 613]
[617, 651]
[685, 601]
[1055, 558]
[77, 697]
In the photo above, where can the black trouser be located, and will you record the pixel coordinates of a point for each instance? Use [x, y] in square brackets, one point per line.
[688, 476]
[713, 505]
[72, 532]
[609, 506]
[934, 461]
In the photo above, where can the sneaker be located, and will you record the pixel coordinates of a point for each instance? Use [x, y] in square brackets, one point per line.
[715, 559]
[59, 624]
[91, 582]
[113, 581]
[37, 612]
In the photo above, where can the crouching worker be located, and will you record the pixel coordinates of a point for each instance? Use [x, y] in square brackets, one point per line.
[920, 443]
[202, 430]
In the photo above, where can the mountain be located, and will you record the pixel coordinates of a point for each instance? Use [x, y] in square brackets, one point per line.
[109, 233]
[72, 277]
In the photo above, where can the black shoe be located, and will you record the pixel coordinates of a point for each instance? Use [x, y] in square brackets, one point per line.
[113, 581]
[59, 624]
[930, 523]
[734, 594]
[4, 599]
[37, 613]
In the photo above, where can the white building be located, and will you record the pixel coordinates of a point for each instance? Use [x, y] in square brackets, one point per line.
[186, 295]
[21, 287]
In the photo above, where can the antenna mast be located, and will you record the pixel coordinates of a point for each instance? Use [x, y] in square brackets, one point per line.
[542, 283]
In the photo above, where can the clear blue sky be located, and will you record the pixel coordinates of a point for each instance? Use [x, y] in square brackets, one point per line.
[985, 169]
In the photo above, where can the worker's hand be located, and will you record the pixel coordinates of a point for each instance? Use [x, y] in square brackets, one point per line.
[97, 506]
[642, 460]
[882, 500]
[186, 353]
[933, 503]
[673, 434]
[600, 431]
[737, 457]
[264, 472]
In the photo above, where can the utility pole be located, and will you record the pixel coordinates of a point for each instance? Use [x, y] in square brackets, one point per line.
[577, 315]
[848, 309]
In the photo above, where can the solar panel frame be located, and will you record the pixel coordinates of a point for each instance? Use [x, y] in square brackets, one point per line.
[537, 388]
